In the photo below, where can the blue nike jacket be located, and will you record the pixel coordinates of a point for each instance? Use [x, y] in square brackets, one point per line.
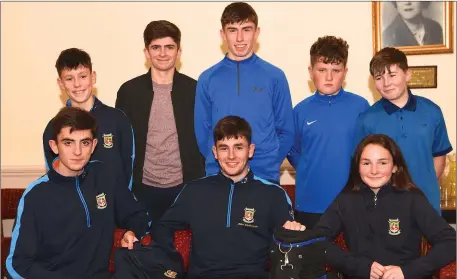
[256, 91]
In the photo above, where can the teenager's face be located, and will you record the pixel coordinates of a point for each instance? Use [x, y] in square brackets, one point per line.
[74, 150]
[240, 39]
[78, 84]
[393, 86]
[376, 166]
[409, 9]
[328, 78]
[233, 155]
[163, 54]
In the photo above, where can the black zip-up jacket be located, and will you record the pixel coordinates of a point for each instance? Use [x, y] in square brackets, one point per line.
[115, 139]
[232, 224]
[387, 228]
[65, 225]
[135, 99]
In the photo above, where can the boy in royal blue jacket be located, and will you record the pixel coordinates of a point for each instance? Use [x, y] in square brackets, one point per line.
[245, 85]
[324, 131]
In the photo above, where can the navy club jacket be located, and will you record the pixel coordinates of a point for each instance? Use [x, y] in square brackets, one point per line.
[115, 140]
[65, 225]
[232, 223]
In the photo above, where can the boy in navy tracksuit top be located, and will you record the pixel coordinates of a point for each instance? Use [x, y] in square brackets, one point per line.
[66, 219]
[245, 85]
[324, 131]
[115, 135]
[232, 214]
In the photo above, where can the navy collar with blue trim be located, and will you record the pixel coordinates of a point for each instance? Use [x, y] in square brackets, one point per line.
[57, 177]
[390, 108]
[97, 104]
[247, 178]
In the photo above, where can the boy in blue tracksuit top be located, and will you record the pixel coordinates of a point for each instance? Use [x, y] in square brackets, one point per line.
[415, 123]
[115, 134]
[66, 219]
[324, 131]
[243, 84]
[232, 214]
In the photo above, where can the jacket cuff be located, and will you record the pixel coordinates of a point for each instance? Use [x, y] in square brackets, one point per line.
[364, 269]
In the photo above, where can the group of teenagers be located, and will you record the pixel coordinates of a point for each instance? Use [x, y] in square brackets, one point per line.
[176, 154]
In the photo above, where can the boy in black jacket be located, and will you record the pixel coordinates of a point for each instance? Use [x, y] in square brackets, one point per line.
[66, 218]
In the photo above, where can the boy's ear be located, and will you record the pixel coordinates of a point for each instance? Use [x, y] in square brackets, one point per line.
[310, 72]
[53, 145]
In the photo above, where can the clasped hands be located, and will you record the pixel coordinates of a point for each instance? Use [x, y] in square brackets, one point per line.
[379, 271]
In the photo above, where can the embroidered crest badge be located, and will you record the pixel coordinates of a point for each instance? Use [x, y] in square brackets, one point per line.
[249, 215]
[108, 140]
[170, 274]
[394, 227]
[101, 201]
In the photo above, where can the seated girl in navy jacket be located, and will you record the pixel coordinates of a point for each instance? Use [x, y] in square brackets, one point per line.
[383, 217]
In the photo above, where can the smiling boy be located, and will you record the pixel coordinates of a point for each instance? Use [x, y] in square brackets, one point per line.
[415, 123]
[243, 84]
[77, 79]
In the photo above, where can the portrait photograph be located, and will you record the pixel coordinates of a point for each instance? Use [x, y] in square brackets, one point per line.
[414, 27]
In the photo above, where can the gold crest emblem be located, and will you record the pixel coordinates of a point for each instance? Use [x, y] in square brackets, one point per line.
[249, 215]
[394, 227]
[108, 140]
[170, 274]
[101, 201]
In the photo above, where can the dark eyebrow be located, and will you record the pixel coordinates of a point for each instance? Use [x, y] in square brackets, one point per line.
[171, 45]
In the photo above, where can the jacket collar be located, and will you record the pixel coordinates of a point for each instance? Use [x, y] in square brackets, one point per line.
[148, 79]
[233, 63]
[96, 105]
[329, 99]
[57, 177]
[248, 178]
[390, 108]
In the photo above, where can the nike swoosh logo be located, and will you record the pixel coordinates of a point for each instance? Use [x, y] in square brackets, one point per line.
[309, 123]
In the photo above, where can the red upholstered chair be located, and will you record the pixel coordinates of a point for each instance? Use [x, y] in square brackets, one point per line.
[446, 272]
[10, 201]
[290, 190]
[182, 244]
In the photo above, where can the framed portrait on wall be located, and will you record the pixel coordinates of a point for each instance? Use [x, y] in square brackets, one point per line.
[414, 27]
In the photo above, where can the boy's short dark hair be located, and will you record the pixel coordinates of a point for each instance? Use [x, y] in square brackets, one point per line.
[232, 127]
[238, 12]
[385, 58]
[159, 29]
[75, 118]
[329, 50]
[72, 58]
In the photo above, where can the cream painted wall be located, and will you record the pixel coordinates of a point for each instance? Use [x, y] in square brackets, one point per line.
[33, 34]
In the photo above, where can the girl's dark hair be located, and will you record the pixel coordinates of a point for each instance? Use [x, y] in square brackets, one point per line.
[401, 179]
